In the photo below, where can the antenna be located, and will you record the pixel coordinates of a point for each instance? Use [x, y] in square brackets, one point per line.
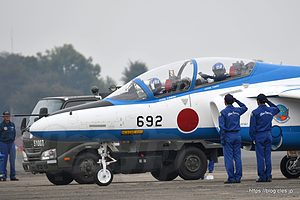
[12, 44]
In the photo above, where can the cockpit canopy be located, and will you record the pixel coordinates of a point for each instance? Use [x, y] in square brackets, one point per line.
[183, 76]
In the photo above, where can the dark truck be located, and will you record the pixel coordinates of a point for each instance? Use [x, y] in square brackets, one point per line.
[63, 162]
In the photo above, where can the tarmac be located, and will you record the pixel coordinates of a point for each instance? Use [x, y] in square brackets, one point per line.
[144, 186]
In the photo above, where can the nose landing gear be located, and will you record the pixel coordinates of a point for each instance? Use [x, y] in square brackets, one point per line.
[103, 175]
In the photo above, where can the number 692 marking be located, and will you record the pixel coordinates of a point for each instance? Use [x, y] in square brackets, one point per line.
[149, 121]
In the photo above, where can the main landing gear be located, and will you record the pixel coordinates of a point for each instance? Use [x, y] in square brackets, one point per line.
[290, 164]
[103, 175]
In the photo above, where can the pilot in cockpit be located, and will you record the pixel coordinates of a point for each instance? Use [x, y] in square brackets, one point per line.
[156, 86]
[219, 73]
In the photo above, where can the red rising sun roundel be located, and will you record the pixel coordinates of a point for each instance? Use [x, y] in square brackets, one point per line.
[187, 120]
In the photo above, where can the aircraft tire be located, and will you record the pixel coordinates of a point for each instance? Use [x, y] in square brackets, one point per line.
[64, 178]
[84, 167]
[191, 163]
[285, 163]
[165, 173]
[103, 178]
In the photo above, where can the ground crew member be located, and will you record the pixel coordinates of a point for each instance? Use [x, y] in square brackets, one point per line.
[260, 133]
[229, 123]
[7, 145]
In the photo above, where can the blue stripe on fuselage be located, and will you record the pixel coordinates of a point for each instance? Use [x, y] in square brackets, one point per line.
[115, 135]
[264, 72]
[291, 139]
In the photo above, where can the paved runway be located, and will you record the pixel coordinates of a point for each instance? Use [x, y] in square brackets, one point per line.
[144, 186]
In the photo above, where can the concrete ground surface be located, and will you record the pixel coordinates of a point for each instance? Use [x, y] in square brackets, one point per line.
[144, 186]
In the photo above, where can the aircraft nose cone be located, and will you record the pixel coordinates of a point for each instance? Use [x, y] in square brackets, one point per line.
[37, 128]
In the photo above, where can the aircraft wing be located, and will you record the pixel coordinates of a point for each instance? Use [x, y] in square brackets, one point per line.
[277, 91]
[292, 93]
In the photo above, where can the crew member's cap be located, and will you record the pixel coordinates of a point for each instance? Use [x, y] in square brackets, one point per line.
[6, 113]
[261, 98]
[229, 99]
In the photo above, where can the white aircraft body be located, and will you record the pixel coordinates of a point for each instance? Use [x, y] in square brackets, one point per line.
[182, 101]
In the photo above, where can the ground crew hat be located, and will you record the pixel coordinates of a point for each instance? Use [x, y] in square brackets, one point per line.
[228, 99]
[6, 113]
[261, 98]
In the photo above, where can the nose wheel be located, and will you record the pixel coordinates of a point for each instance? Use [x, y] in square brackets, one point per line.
[103, 175]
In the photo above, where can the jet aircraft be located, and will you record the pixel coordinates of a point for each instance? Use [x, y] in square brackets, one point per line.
[181, 101]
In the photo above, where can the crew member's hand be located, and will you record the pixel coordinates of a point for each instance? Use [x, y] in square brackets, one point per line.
[223, 142]
[253, 143]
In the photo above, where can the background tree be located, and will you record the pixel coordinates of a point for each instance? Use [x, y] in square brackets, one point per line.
[13, 77]
[74, 70]
[134, 69]
[60, 71]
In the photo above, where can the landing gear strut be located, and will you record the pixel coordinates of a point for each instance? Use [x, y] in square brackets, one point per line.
[103, 175]
[290, 165]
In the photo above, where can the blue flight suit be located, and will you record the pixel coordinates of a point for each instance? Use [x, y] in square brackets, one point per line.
[260, 132]
[229, 123]
[7, 147]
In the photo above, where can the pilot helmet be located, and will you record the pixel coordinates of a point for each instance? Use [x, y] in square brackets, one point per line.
[218, 69]
[155, 85]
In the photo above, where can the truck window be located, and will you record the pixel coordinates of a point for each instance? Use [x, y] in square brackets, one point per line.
[76, 103]
[52, 105]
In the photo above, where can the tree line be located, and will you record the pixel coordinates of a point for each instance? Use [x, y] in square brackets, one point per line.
[62, 71]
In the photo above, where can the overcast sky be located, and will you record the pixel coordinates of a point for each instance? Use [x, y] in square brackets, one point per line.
[156, 32]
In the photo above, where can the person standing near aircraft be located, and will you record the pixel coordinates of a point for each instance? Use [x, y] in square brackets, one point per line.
[260, 133]
[229, 123]
[7, 145]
